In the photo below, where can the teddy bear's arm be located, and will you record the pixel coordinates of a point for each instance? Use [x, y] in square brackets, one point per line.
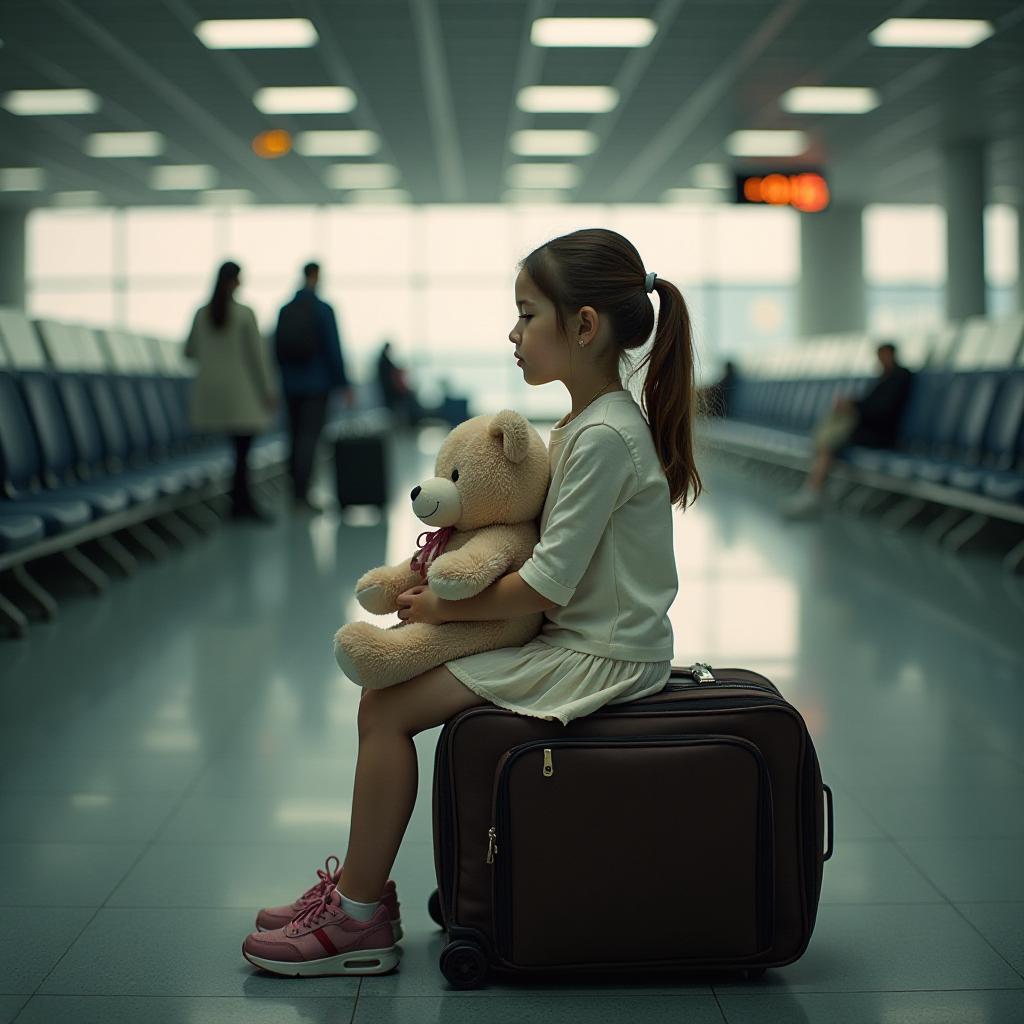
[484, 558]
[377, 590]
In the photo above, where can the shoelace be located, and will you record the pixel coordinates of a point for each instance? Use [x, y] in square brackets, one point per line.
[314, 911]
[326, 875]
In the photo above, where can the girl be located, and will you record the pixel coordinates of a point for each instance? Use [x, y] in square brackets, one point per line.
[234, 391]
[603, 572]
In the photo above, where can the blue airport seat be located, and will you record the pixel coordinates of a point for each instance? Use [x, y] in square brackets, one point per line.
[19, 530]
[22, 469]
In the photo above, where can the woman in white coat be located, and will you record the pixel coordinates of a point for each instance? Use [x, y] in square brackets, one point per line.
[234, 390]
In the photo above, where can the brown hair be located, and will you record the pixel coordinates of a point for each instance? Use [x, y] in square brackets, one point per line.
[599, 268]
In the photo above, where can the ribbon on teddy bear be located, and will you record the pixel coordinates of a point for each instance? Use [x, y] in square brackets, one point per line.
[435, 544]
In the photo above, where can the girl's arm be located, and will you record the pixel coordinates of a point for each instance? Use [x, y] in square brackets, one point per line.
[507, 598]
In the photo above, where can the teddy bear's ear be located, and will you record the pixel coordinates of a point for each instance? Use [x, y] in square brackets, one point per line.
[514, 431]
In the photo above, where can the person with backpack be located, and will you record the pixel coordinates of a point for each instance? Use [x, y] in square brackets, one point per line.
[308, 351]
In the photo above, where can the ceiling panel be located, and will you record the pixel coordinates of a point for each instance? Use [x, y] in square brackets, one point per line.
[437, 80]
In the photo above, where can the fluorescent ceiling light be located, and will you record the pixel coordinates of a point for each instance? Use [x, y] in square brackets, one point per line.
[535, 195]
[361, 176]
[542, 142]
[693, 195]
[85, 197]
[311, 99]
[592, 32]
[226, 197]
[344, 143]
[767, 143]
[118, 144]
[380, 196]
[711, 176]
[570, 99]
[543, 175]
[257, 33]
[937, 32]
[35, 102]
[183, 177]
[22, 179]
[829, 100]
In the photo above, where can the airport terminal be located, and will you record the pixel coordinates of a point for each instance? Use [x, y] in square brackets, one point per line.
[512, 510]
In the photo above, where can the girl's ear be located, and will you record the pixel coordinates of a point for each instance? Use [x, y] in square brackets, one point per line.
[514, 432]
[587, 320]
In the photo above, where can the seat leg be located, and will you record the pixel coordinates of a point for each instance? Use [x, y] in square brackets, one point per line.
[149, 541]
[936, 531]
[14, 616]
[965, 532]
[1014, 558]
[907, 510]
[42, 598]
[199, 517]
[172, 528]
[87, 569]
[118, 554]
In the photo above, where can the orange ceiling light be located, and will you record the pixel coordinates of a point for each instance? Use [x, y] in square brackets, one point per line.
[272, 144]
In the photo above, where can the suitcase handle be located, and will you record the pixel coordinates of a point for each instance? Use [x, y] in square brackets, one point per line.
[829, 823]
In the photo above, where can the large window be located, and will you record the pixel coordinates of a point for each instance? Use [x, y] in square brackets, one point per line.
[905, 264]
[436, 281]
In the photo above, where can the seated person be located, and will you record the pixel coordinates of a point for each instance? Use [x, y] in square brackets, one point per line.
[395, 390]
[872, 420]
[715, 398]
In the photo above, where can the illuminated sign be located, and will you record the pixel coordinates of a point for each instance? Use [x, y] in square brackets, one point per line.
[272, 144]
[806, 191]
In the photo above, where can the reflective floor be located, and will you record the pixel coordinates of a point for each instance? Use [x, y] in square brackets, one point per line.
[181, 751]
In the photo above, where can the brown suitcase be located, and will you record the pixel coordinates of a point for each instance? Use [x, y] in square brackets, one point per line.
[705, 800]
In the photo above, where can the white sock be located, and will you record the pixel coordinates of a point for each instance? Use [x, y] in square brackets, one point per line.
[360, 911]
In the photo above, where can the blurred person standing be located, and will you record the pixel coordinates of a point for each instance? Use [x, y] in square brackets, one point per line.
[308, 350]
[234, 389]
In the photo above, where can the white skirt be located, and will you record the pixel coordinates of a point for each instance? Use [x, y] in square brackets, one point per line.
[550, 682]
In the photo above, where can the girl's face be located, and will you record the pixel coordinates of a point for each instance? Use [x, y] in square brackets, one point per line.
[538, 344]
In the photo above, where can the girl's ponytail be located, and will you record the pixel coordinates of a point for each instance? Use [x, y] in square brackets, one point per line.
[669, 395]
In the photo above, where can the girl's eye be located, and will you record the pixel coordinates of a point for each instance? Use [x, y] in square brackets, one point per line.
[455, 475]
[525, 316]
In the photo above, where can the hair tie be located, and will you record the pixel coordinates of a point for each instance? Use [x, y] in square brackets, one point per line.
[649, 281]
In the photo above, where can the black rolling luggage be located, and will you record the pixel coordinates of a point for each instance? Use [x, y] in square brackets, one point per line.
[709, 793]
[361, 462]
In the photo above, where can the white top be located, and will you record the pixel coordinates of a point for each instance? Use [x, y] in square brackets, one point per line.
[605, 551]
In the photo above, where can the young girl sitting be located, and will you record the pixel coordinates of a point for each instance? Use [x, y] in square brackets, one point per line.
[603, 572]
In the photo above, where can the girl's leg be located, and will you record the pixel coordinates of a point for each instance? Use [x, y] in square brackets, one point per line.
[387, 772]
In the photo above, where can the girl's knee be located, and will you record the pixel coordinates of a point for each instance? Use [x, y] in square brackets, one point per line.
[376, 711]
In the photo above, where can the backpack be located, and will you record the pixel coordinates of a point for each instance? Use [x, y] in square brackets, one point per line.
[298, 330]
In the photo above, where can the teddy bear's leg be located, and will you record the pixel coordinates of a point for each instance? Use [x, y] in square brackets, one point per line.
[375, 658]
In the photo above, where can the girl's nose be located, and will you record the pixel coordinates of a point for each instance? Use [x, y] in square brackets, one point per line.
[415, 493]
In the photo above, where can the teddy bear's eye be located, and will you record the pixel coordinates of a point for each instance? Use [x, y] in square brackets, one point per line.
[455, 474]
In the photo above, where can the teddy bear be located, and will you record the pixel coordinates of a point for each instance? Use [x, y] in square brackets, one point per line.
[484, 501]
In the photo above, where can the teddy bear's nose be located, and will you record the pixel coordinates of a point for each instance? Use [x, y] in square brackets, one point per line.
[415, 493]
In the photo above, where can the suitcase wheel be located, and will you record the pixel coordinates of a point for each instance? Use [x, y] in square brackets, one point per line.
[434, 909]
[752, 973]
[464, 965]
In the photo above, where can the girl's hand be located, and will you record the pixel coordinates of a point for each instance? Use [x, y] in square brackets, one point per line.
[421, 604]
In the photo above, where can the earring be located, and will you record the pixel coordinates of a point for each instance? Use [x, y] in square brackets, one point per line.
[581, 344]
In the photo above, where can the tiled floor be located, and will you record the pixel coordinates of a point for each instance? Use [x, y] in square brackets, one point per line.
[166, 751]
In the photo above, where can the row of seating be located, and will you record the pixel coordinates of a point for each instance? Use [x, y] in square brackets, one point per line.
[95, 446]
[961, 439]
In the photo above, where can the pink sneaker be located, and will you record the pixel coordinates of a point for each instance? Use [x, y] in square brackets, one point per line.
[323, 940]
[270, 918]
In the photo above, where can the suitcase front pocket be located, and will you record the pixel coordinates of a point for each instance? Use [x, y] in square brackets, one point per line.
[641, 850]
